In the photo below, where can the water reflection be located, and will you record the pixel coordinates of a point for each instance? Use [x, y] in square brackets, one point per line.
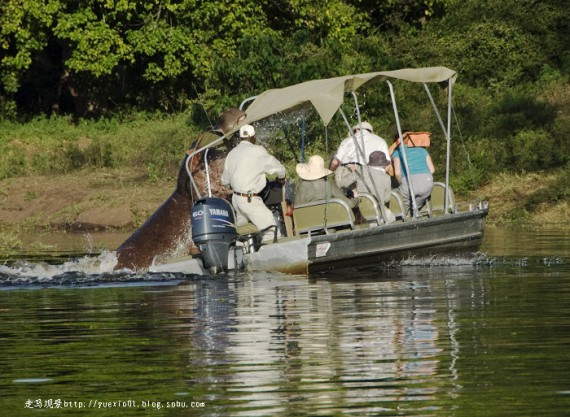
[321, 344]
[473, 335]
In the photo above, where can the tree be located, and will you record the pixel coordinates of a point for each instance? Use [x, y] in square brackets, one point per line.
[107, 42]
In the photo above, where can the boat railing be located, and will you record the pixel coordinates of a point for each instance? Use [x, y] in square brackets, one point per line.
[369, 208]
[438, 199]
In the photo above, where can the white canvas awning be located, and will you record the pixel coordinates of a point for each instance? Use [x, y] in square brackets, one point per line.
[327, 95]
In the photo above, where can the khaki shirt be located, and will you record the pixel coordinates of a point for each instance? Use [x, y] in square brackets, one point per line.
[246, 166]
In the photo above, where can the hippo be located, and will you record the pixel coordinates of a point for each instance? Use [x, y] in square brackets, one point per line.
[167, 230]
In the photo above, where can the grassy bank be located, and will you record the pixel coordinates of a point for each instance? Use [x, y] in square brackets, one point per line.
[59, 146]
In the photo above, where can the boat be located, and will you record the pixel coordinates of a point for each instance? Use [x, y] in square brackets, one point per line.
[323, 235]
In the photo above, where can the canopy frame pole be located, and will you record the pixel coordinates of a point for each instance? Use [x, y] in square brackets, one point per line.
[194, 186]
[415, 211]
[435, 109]
[365, 162]
[303, 122]
[246, 100]
[447, 134]
[207, 172]
[448, 155]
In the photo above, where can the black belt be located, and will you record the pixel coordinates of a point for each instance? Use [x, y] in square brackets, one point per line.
[246, 194]
[352, 163]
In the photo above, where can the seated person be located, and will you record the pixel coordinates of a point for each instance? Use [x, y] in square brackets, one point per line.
[316, 185]
[421, 174]
[353, 154]
[375, 180]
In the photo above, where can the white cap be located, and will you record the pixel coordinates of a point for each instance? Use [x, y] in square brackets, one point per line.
[246, 131]
[363, 126]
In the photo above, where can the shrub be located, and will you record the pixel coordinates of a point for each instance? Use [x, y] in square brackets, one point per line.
[532, 150]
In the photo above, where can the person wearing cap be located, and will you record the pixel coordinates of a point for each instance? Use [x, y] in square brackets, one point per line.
[245, 169]
[349, 159]
[315, 184]
[421, 173]
[374, 179]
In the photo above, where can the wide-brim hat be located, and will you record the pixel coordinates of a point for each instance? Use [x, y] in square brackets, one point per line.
[378, 159]
[312, 170]
[363, 126]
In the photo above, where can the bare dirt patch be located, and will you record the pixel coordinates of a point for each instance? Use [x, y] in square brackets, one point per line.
[89, 200]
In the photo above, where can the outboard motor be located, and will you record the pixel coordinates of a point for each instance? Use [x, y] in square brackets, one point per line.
[214, 231]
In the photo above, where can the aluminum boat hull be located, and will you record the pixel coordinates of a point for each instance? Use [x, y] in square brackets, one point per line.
[455, 233]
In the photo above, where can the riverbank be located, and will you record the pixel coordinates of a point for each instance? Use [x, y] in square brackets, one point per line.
[118, 199]
[122, 199]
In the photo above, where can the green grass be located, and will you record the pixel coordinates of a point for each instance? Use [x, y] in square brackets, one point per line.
[57, 145]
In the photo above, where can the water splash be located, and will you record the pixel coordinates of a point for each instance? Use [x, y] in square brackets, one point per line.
[269, 129]
[555, 260]
[182, 245]
[87, 270]
[88, 265]
[90, 246]
[477, 259]
[471, 260]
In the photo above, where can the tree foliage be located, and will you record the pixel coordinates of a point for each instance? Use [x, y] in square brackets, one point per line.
[110, 57]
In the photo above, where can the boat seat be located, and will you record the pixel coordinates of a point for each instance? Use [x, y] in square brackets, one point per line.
[322, 215]
[396, 205]
[251, 237]
[247, 229]
[437, 199]
[369, 208]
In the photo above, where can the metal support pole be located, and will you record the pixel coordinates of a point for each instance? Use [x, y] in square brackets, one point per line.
[448, 156]
[365, 165]
[447, 134]
[207, 172]
[436, 110]
[245, 101]
[403, 148]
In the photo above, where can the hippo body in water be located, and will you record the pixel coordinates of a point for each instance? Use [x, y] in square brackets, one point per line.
[167, 230]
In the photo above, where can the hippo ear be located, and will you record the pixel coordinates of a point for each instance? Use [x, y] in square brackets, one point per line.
[229, 119]
[241, 119]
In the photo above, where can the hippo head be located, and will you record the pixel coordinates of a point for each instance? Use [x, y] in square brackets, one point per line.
[228, 120]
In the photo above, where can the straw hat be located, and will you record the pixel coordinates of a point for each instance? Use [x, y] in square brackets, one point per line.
[313, 170]
[363, 126]
[378, 159]
[246, 131]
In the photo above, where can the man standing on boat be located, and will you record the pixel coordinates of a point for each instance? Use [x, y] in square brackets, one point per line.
[353, 154]
[245, 169]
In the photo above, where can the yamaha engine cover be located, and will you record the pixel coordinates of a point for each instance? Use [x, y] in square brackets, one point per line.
[213, 231]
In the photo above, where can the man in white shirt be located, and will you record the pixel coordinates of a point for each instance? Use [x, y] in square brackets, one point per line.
[245, 169]
[350, 158]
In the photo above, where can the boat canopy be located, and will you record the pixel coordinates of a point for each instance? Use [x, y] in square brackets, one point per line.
[327, 95]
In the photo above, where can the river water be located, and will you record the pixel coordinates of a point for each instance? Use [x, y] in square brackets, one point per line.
[485, 334]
